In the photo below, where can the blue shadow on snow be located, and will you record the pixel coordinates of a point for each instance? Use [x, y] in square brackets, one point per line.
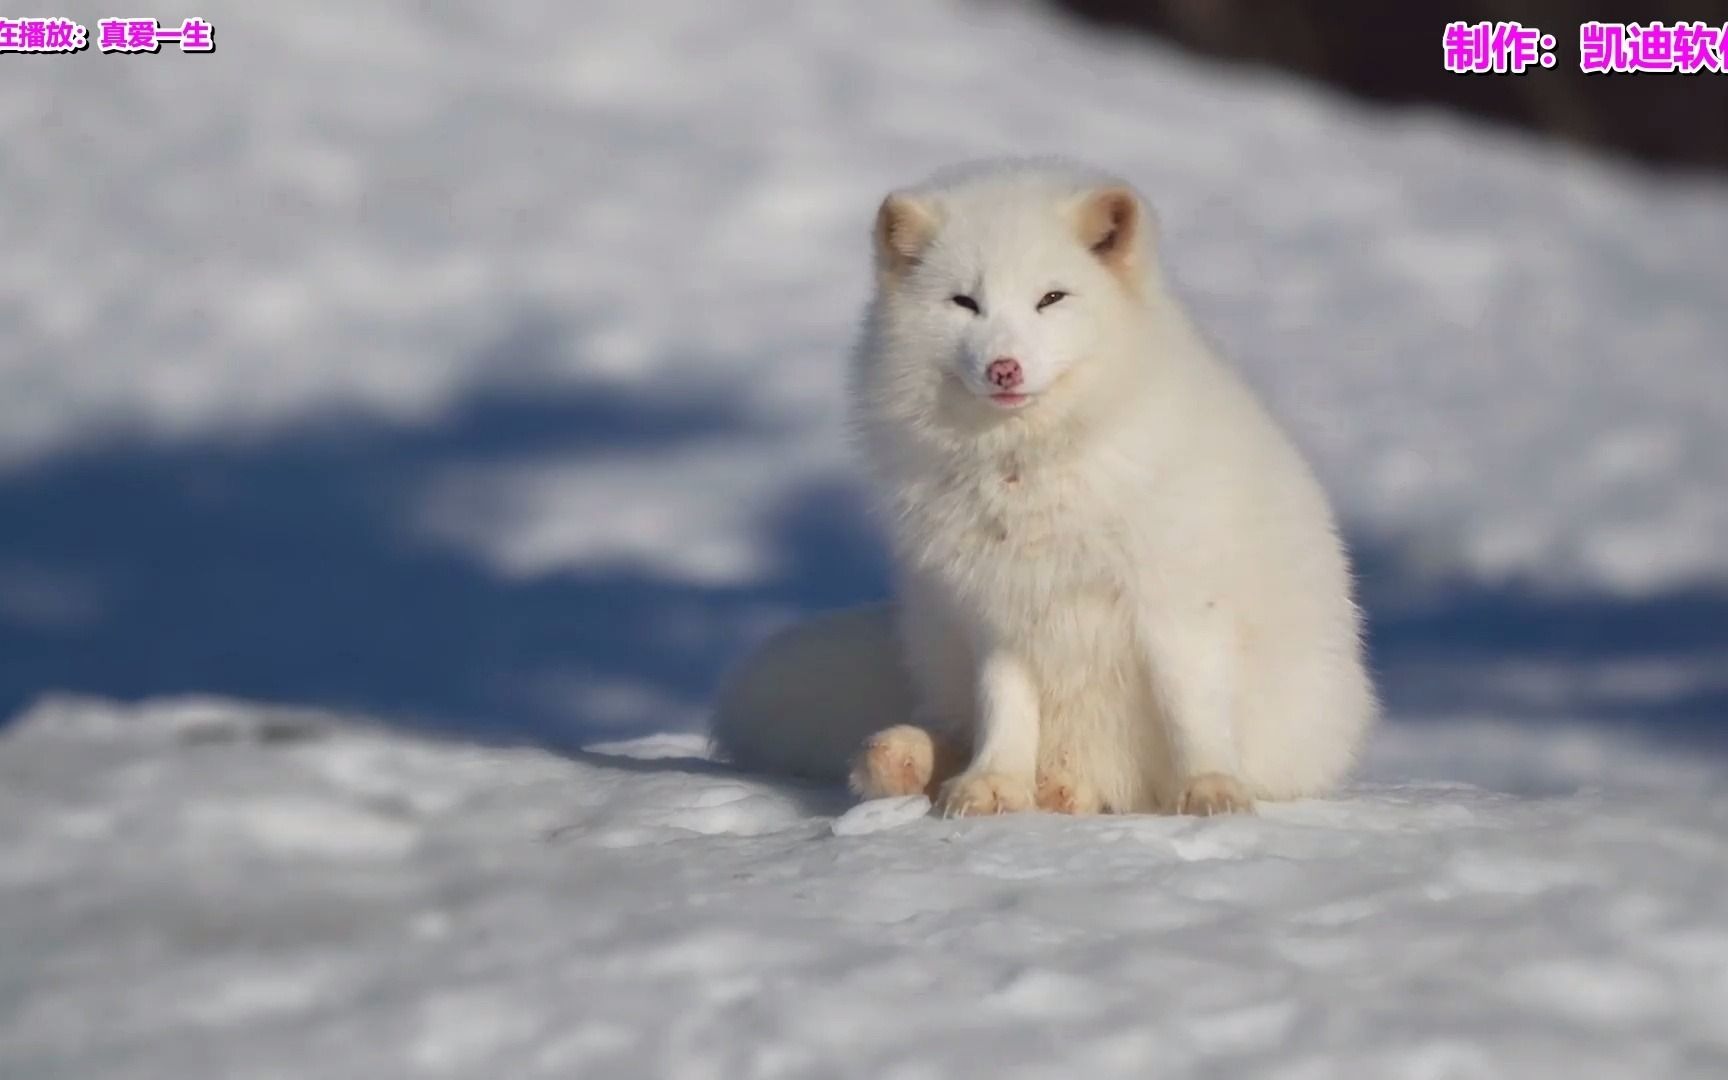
[284, 570]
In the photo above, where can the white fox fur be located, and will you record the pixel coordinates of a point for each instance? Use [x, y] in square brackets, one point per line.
[1117, 588]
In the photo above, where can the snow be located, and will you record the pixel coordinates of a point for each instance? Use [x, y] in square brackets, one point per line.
[278, 889]
[406, 381]
[875, 815]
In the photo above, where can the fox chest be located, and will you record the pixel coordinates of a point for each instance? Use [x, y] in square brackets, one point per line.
[1009, 545]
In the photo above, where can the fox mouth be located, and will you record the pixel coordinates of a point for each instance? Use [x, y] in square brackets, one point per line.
[1000, 401]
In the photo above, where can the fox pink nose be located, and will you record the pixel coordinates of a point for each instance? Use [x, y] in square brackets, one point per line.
[1004, 374]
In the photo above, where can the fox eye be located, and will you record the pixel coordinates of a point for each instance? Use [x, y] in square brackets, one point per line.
[966, 302]
[1051, 297]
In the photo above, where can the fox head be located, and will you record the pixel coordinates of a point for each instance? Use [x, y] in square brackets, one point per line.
[999, 288]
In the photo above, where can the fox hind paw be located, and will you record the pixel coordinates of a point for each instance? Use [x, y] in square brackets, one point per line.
[896, 761]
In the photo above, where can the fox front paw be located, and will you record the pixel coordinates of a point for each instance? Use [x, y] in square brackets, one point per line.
[972, 794]
[1215, 793]
[1060, 791]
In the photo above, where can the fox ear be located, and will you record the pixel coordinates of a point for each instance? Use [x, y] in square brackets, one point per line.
[904, 227]
[1111, 222]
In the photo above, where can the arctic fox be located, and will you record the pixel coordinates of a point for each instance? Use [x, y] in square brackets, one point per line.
[1118, 587]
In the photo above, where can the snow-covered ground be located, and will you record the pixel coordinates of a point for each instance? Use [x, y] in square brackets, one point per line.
[447, 374]
[209, 889]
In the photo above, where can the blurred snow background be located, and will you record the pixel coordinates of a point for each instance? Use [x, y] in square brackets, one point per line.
[475, 369]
